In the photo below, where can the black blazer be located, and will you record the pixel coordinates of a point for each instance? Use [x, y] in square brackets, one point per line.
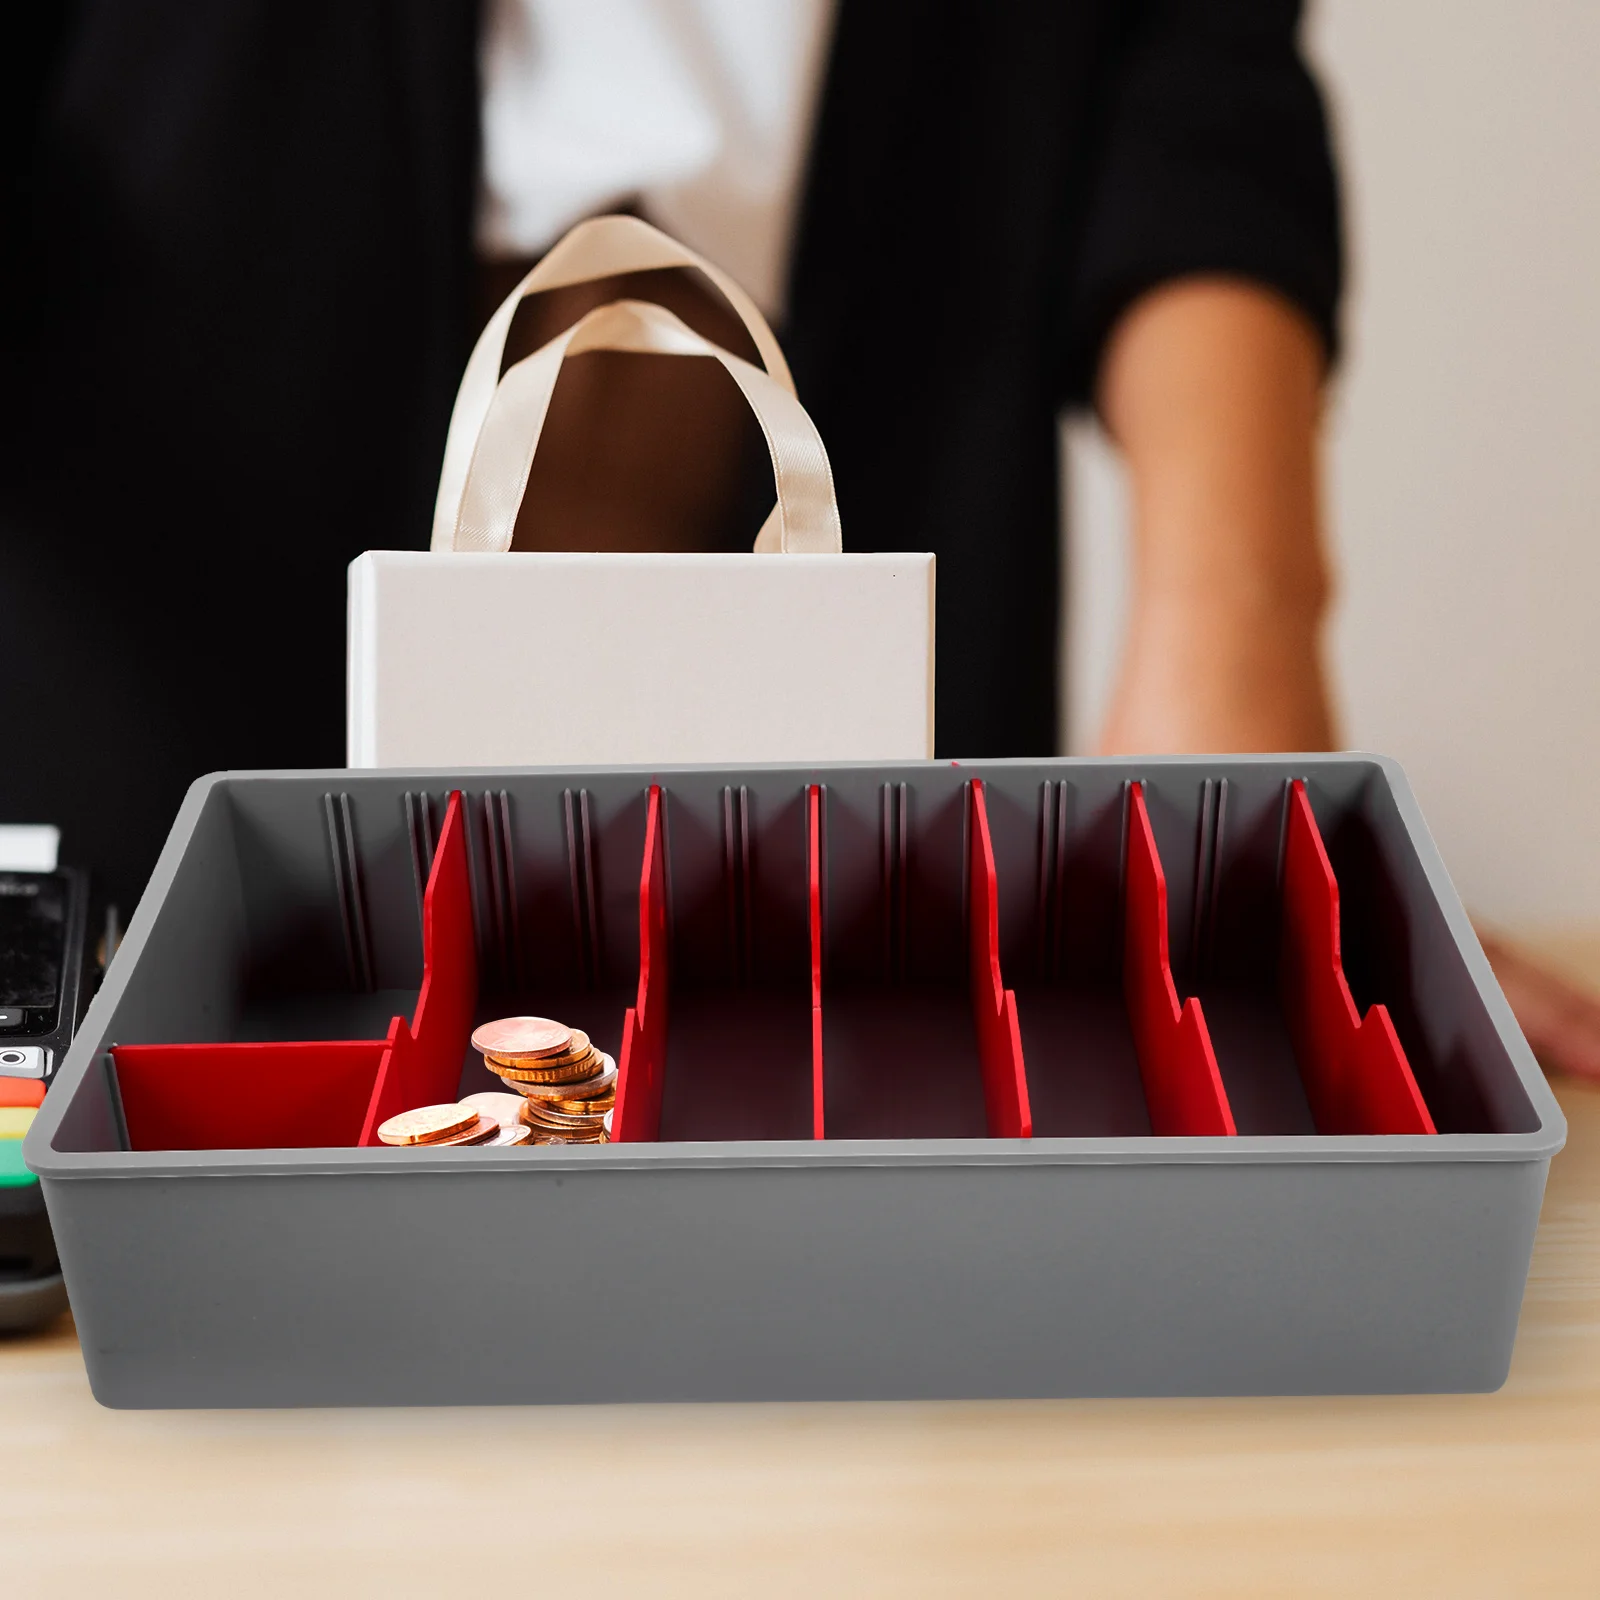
[238, 293]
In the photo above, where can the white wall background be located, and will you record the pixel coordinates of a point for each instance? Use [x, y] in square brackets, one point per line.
[1464, 469]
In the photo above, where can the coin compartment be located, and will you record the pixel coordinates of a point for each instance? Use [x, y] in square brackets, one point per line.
[719, 1042]
[1212, 1000]
[914, 1033]
[505, 911]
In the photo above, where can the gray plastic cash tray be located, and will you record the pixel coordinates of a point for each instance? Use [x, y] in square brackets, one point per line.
[725, 1252]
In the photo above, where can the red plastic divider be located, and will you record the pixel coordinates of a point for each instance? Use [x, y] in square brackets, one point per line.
[1005, 1079]
[814, 866]
[1182, 1087]
[642, 1069]
[189, 1096]
[1355, 1071]
[422, 1064]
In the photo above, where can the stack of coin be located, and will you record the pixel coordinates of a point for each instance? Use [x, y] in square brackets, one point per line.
[568, 1086]
[439, 1125]
[486, 1120]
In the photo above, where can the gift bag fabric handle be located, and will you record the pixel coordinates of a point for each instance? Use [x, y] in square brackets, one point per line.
[806, 519]
[599, 248]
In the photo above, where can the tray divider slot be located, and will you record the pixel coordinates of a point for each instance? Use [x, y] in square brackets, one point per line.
[641, 1070]
[814, 796]
[1354, 1069]
[1005, 1078]
[422, 1064]
[1182, 1086]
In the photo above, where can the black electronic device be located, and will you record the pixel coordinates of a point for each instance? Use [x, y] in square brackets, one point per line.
[45, 973]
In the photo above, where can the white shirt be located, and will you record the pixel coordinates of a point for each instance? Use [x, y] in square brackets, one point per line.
[700, 108]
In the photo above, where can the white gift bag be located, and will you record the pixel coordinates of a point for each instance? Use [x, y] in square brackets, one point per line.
[465, 655]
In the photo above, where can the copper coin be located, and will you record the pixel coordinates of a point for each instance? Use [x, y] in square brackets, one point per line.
[500, 1104]
[522, 1037]
[580, 1108]
[427, 1124]
[573, 1071]
[579, 1049]
[481, 1132]
[583, 1089]
[549, 1108]
[578, 1045]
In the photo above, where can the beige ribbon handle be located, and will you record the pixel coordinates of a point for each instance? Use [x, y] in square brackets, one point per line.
[806, 519]
[599, 248]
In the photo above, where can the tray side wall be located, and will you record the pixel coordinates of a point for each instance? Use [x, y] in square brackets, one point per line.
[798, 1284]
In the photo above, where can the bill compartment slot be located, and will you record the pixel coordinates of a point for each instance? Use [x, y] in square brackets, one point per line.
[1182, 1086]
[994, 1007]
[1354, 1069]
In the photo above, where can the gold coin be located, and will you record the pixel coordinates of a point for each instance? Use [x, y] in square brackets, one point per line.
[581, 1108]
[602, 1082]
[482, 1130]
[500, 1104]
[562, 1089]
[546, 1119]
[427, 1124]
[578, 1068]
[549, 1108]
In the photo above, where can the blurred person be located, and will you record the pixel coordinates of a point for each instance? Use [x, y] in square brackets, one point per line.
[249, 244]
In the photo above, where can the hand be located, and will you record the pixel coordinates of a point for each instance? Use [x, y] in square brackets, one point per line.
[1561, 1022]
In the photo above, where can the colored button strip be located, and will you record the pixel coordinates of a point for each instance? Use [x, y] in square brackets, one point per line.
[19, 1102]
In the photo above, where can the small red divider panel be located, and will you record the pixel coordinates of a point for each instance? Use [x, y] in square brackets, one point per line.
[814, 865]
[184, 1096]
[422, 1065]
[1182, 1087]
[1005, 1080]
[1355, 1070]
[642, 1070]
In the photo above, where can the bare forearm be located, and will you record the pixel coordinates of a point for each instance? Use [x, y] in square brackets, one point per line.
[1212, 389]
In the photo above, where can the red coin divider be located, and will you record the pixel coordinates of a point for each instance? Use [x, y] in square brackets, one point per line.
[1354, 1069]
[423, 1060]
[641, 1072]
[994, 1007]
[814, 907]
[1182, 1087]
